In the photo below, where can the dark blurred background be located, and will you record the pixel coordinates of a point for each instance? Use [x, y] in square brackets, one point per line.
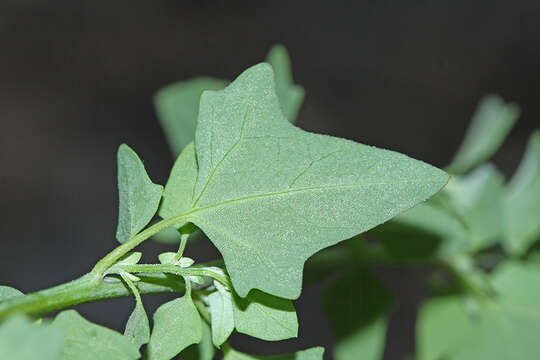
[77, 79]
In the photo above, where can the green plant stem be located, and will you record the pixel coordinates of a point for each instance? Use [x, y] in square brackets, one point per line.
[111, 258]
[91, 288]
[183, 241]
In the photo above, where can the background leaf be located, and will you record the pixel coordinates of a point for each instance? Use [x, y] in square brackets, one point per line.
[85, 340]
[523, 201]
[425, 231]
[490, 124]
[458, 327]
[478, 201]
[315, 353]
[177, 106]
[357, 305]
[290, 95]
[177, 324]
[139, 197]
[21, 340]
[270, 195]
[265, 316]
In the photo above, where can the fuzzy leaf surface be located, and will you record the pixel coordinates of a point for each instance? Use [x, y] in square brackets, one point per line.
[221, 314]
[290, 95]
[455, 327]
[265, 316]
[22, 340]
[177, 106]
[489, 126]
[177, 324]
[7, 292]
[357, 305]
[204, 350]
[523, 201]
[139, 197]
[269, 195]
[87, 341]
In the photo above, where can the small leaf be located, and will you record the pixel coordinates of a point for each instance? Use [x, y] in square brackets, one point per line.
[221, 314]
[315, 353]
[138, 327]
[178, 193]
[204, 350]
[506, 327]
[478, 200]
[290, 95]
[131, 258]
[424, 231]
[490, 124]
[177, 324]
[267, 189]
[166, 257]
[358, 305]
[7, 292]
[85, 340]
[22, 340]
[265, 316]
[139, 197]
[523, 201]
[185, 262]
[177, 106]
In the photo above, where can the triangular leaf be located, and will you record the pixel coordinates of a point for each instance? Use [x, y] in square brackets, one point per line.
[85, 340]
[267, 189]
[139, 197]
[358, 305]
[22, 340]
[265, 316]
[290, 95]
[177, 106]
[491, 123]
[523, 201]
[177, 324]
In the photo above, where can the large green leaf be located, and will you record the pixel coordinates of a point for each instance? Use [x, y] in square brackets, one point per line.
[177, 106]
[265, 316]
[490, 124]
[139, 197]
[7, 292]
[478, 200]
[425, 231]
[290, 95]
[177, 324]
[315, 353]
[21, 340]
[221, 312]
[270, 195]
[523, 201]
[357, 305]
[85, 340]
[507, 327]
